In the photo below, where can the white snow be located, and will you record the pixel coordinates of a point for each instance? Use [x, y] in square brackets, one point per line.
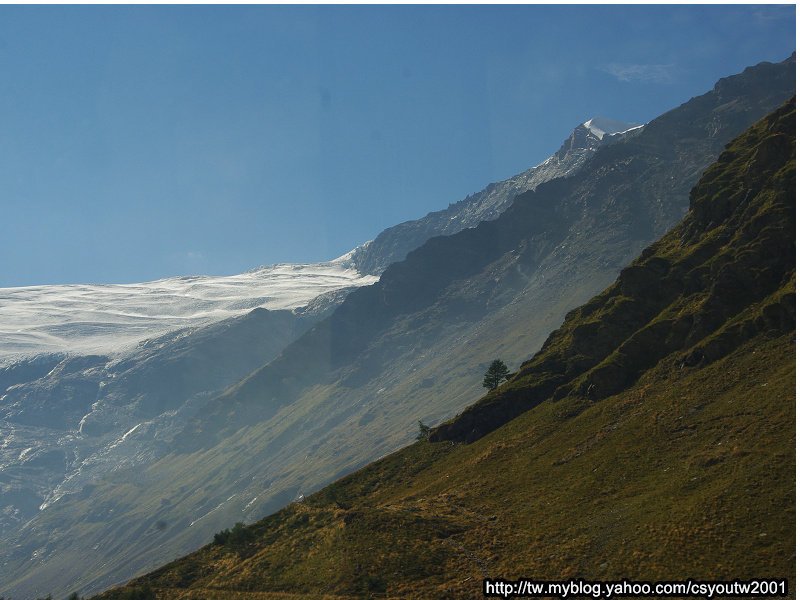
[105, 319]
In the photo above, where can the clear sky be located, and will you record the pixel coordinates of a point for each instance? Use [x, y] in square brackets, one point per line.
[139, 142]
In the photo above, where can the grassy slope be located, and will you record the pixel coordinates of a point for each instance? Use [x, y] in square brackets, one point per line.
[687, 471]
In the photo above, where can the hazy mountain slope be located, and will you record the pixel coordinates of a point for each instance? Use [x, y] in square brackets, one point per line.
[353, 387]
[394, 243]
[683, 467]
[88, 415]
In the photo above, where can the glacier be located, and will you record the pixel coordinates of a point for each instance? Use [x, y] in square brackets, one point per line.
[112, 318]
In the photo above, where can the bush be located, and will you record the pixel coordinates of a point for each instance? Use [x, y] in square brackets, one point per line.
[235, 538]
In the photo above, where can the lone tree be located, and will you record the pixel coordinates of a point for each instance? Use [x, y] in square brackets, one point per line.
[495, 374]
[424, 432]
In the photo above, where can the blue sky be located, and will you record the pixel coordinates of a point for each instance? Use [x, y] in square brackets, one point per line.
[139, 142]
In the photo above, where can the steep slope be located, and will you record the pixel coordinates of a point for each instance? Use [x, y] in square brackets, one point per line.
[703, 276]
[394, 243]
[353, 387]
[680, 464]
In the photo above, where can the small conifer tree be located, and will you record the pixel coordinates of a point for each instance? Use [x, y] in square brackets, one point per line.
[496, 374]
[424, 431]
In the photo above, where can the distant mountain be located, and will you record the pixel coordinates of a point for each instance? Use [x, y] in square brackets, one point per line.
[651, 438]
[68, 419]
[393, 244]
[113, 318]
[352, 387]
[563, 235]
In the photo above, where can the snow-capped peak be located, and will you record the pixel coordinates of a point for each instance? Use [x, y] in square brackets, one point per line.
[600, 126]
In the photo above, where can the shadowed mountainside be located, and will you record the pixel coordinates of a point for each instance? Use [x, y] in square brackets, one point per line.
[66, 420]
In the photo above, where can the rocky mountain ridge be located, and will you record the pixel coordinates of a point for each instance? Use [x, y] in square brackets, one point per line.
[394, 243]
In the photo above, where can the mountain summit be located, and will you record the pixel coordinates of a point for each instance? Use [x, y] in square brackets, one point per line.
[394, 244]
[589, 136]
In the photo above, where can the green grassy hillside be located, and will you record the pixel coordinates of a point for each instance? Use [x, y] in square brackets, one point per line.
[652, 437]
